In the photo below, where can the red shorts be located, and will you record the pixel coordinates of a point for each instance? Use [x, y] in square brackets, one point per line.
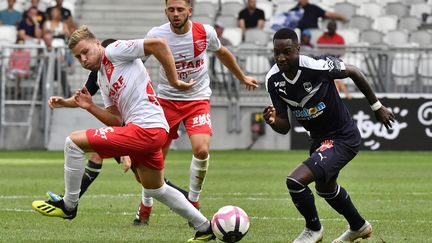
[195, 115]
[143, 145]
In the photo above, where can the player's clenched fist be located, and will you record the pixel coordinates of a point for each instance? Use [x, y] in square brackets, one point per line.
[269, 114]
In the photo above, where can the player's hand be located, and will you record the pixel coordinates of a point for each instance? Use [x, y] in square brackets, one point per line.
[385, 116]
[269, 115]
[56, 102]
[83, 98]
[250, 82]
[126, 162]
[183, 86]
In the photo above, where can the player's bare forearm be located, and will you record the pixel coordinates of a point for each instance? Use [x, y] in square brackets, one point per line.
[109, 116]
[278, 124]
[361, 82]
[229, 61]
[161, 51]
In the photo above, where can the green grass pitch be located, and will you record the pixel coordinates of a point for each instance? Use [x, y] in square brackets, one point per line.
[393, 190]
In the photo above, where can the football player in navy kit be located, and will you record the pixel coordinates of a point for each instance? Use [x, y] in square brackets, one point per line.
[306, 86]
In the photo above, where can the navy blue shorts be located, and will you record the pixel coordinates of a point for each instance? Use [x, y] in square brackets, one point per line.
[330, 154]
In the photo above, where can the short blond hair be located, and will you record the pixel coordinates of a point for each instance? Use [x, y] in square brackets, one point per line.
[82, 33]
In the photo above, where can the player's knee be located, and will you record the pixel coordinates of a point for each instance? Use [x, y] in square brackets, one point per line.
[201, 153]
[71, 147]
[327, 193]
[294, 186]
[96, 158]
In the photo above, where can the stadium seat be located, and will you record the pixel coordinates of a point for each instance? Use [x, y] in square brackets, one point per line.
[233, 34]
[358, 2]
[422, 37]
[409, 23]
[419, 9]
[385, 23]
[231, 8]
[351, 36]
[425, 70]
[345, 8]
[409, 2]
[370, 9]
[285, 6]
[403, 70]
[8, 34]
[372, 37]
[397, 8]
[216, 2]
[257, 36]
[227, 21]
[267, 7]
[257, 66]
[203, 19]
[360, 22]
[205, 9]
[396, 37]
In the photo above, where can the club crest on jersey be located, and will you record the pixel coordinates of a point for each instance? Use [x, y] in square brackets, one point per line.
[307, 86]
[200, 45]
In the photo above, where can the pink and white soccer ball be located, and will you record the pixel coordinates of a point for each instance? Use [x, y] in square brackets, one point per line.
[230, 223]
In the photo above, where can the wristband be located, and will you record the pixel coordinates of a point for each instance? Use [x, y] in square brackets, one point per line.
[376, 106]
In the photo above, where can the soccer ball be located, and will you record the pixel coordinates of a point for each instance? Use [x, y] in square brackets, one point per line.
[230, 224]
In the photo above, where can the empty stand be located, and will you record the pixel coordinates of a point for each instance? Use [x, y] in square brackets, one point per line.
[385, 23]
[360, 22]
[409, 23]
[371, 36]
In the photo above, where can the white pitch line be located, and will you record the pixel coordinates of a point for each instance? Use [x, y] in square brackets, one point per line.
[19, 210]
[235, 195]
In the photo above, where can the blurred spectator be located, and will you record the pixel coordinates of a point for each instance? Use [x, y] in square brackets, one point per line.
[55, 25]
[251, 17]
[19, 68]
[29, 29]
[331, 37]
[305, 39]
[219, 31]
[10, 16]
[40, 15]
[311, 14]
[66, 15]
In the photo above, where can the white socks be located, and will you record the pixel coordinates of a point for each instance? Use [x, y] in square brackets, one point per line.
[198, 170]
[145, 199]
[74, 168]
[179, 204]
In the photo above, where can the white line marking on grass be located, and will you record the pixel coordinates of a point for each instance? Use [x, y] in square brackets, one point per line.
[131, 213]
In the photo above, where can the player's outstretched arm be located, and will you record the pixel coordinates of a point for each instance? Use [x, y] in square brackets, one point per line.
[59, 102]
[229, 61]
[382, 114]
[161, 51]
[110, 116]
[278, 124]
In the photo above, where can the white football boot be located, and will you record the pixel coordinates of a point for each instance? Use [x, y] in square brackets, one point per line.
[350, 235]
[310, 236]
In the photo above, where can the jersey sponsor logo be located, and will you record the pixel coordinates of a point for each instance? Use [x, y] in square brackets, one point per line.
[102, 132]
[282, 91]
[114, 90]
[280, 84]
[200, 120]
[108, 66]
[199, 38]
[326, 144]
[309, 113]
[307, 86]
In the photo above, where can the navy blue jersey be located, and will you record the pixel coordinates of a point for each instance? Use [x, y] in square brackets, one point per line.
[312, 96]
